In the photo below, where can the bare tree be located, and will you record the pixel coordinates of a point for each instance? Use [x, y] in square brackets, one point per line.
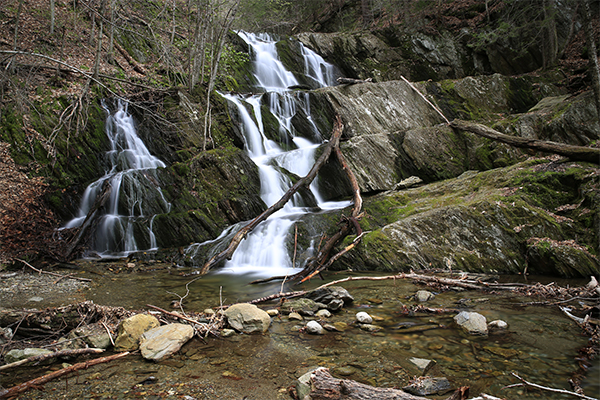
[594, 69]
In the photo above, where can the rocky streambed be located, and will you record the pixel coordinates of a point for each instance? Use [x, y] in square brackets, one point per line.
[410, 330]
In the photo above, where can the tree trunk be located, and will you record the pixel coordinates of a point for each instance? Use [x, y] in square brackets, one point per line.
[594, 69]
[577, 153]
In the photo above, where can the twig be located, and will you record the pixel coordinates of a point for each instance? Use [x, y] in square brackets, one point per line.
[183, 317]
[109, 334]
[52, 273]
[43, 357]
[581, 396]
[15, 390]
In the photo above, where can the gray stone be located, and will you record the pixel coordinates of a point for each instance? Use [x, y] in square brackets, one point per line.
[423, 364]
[427, 385]
[248, 318]
[313, 327]
[131, 329]
[408, 183]
[424, 295]
[21, 354]
[330, 293]
[161, 342]
[93, 335]
[472, 322]
[335, 305]
[273, 312]
[364, 318]
[303, 306]
[497, 325]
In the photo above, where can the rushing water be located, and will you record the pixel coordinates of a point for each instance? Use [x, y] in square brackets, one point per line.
[135, 198]
[276, 154]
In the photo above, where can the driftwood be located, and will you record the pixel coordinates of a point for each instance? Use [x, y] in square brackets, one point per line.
[322, 260]
[60, 276]
[326, 387]
[549, 389]
[577, 153]
[15, 390]
[42, 357]
[303, 182]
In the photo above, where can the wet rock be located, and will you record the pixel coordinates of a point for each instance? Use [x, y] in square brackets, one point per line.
[423, 364]
[209, 311]
[306, 307]
[344, 371]
[370, 328]
[497, 325]
[323, 314]
[227, 332]
[131, 329]
[248, 318]
[340, 326]
[364, 318]
[331, 328]
[21, 354]
[163, 341]
[6, 335]
[331, 297]
[472, 322]
[427, 385]
[93, 335]
[314, 328]
[273, 313]
[294, 316]
[424, 295]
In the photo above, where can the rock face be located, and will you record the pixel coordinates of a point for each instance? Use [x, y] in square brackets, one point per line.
[472, 322]
[163, 341]
[131, 329]
[247, 318]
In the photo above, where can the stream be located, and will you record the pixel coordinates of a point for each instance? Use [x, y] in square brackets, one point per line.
[541, 343]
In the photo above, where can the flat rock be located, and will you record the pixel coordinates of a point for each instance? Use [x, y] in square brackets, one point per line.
[163, 341]
[423, 364]
[131, 329]
[247, 318]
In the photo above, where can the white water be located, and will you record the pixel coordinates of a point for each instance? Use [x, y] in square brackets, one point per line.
[134, 198]
[264, 250]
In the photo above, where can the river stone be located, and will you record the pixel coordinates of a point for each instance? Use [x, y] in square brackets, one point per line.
[363, 318]
[273, 312]
[21, 354]
[370, 328]
[427, 385]
[330, 294]
[498, 325]
[306, 307]
[335, 305]
[294, 316]
[313, 327]
[93, 335]
[131, 329]
[323, 314]
[408, 182]
[424, 295]
[163, 341]
[227, 332]
[248, 318]
[423, 364]
[472, 322]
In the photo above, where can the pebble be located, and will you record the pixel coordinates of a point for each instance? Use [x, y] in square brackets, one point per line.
[364, 318]
[295, 317]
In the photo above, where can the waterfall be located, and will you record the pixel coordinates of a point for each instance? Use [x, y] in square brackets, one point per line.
[264, 251]
[135, 198]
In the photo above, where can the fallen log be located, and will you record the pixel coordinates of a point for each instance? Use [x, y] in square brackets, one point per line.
[576, 153]
[326, 387]
[42, 357]
[23, 387]
[352, 81]
[303, 182]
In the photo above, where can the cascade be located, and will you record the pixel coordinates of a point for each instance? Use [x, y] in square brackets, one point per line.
[264, 250]
[126, 223]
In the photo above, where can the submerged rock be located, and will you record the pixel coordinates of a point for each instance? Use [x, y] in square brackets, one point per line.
[131, 329]
[247, 318]
[163, 341]
[424, 295]
[472, 322]
[427, 385]
[303, 306]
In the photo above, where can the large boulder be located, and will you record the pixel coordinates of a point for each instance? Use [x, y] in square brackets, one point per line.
[131, 329]
[163, 341]
[472, 322]
[247, 318]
